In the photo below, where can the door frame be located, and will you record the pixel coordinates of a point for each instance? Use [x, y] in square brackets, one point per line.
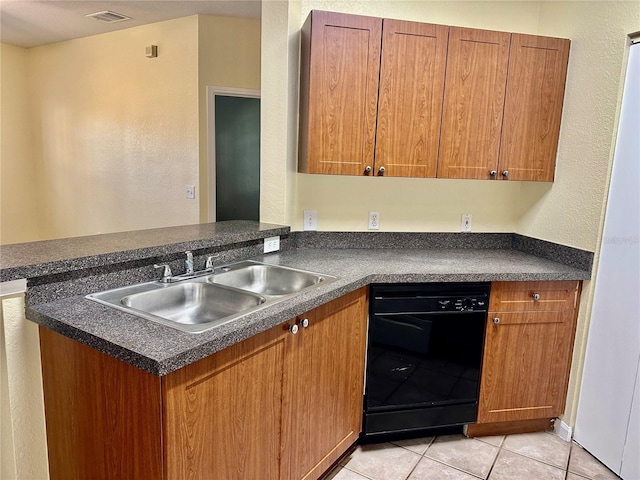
[212, 92]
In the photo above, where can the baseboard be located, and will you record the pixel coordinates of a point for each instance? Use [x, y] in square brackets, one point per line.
[508, 428]
[563, 430]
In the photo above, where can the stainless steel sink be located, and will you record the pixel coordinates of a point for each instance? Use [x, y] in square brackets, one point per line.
[193, 303]
[206, 300]
[265, 279]
[190, 306]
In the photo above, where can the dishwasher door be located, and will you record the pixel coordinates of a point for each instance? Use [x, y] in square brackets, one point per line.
[424, 356]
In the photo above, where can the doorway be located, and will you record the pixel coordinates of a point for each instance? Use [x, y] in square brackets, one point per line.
[234, 153]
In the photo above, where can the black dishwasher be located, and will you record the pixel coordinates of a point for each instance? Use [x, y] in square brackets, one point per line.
[424, 356]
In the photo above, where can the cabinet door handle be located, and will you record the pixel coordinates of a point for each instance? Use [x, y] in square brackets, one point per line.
[536, 297]
[381, 170]
[293, 329]
[496, 320]
[505, 173]
[367, 169]
[304, 323]
[493, 173]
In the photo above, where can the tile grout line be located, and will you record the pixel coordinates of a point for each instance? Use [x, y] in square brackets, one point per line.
[424, 455]
[538, 461]
[421, 455]
[357, 473]
[495, 459]
[566, 472]
[566, 468]
[414, 467]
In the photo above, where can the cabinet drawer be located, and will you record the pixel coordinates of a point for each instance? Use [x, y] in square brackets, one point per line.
[533, 296]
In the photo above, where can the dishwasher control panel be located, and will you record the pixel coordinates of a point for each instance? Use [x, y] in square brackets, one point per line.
[400, 299]
[463, 304]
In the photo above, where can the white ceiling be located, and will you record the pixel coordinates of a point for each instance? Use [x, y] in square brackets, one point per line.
[29, 23]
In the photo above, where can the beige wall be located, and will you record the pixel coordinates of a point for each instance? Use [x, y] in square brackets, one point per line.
[573, 211]
[228, 56]
[111, 137]
[279, 109]
[18, 212]
[570, 212]
[116, 133]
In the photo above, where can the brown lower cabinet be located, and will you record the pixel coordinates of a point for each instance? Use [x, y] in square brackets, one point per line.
[527, 356]
[275, 406]
[280, 405]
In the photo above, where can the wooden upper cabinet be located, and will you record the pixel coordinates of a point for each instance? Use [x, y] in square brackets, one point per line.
[473, 103]
[340, 66]
[533, 106]
[410, 98]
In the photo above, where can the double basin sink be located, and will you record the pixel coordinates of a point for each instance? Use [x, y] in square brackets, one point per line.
[198, 303]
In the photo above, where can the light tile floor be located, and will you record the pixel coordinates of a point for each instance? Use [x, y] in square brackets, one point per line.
[528, 456]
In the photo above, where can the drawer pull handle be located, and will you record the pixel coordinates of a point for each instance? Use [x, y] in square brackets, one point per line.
[496, 320]
[304, 322]
[536, 297]
[293, 329]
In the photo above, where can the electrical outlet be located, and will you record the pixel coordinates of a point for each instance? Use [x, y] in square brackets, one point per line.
[271, 244]
[374, 221]
[465, 226]
[190, 191]
[310, 220]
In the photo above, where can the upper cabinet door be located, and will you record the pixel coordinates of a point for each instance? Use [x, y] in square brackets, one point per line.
[473, 103]
[339, 92]
[410, 98]
[533, 107]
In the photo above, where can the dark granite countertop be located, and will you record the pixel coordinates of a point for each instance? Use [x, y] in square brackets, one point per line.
[28, 260]
[161, 350]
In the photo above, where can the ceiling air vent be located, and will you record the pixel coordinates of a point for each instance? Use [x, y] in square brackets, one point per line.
[108, 16]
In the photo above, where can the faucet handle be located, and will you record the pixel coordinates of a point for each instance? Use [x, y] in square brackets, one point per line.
[209, 264]
[166, 273]
[188, 263]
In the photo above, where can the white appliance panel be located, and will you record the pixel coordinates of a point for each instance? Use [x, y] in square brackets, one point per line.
[613, 346]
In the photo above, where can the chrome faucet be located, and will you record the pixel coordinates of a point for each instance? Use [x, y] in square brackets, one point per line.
[209, 265]
[167, 275]
[188, 263]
